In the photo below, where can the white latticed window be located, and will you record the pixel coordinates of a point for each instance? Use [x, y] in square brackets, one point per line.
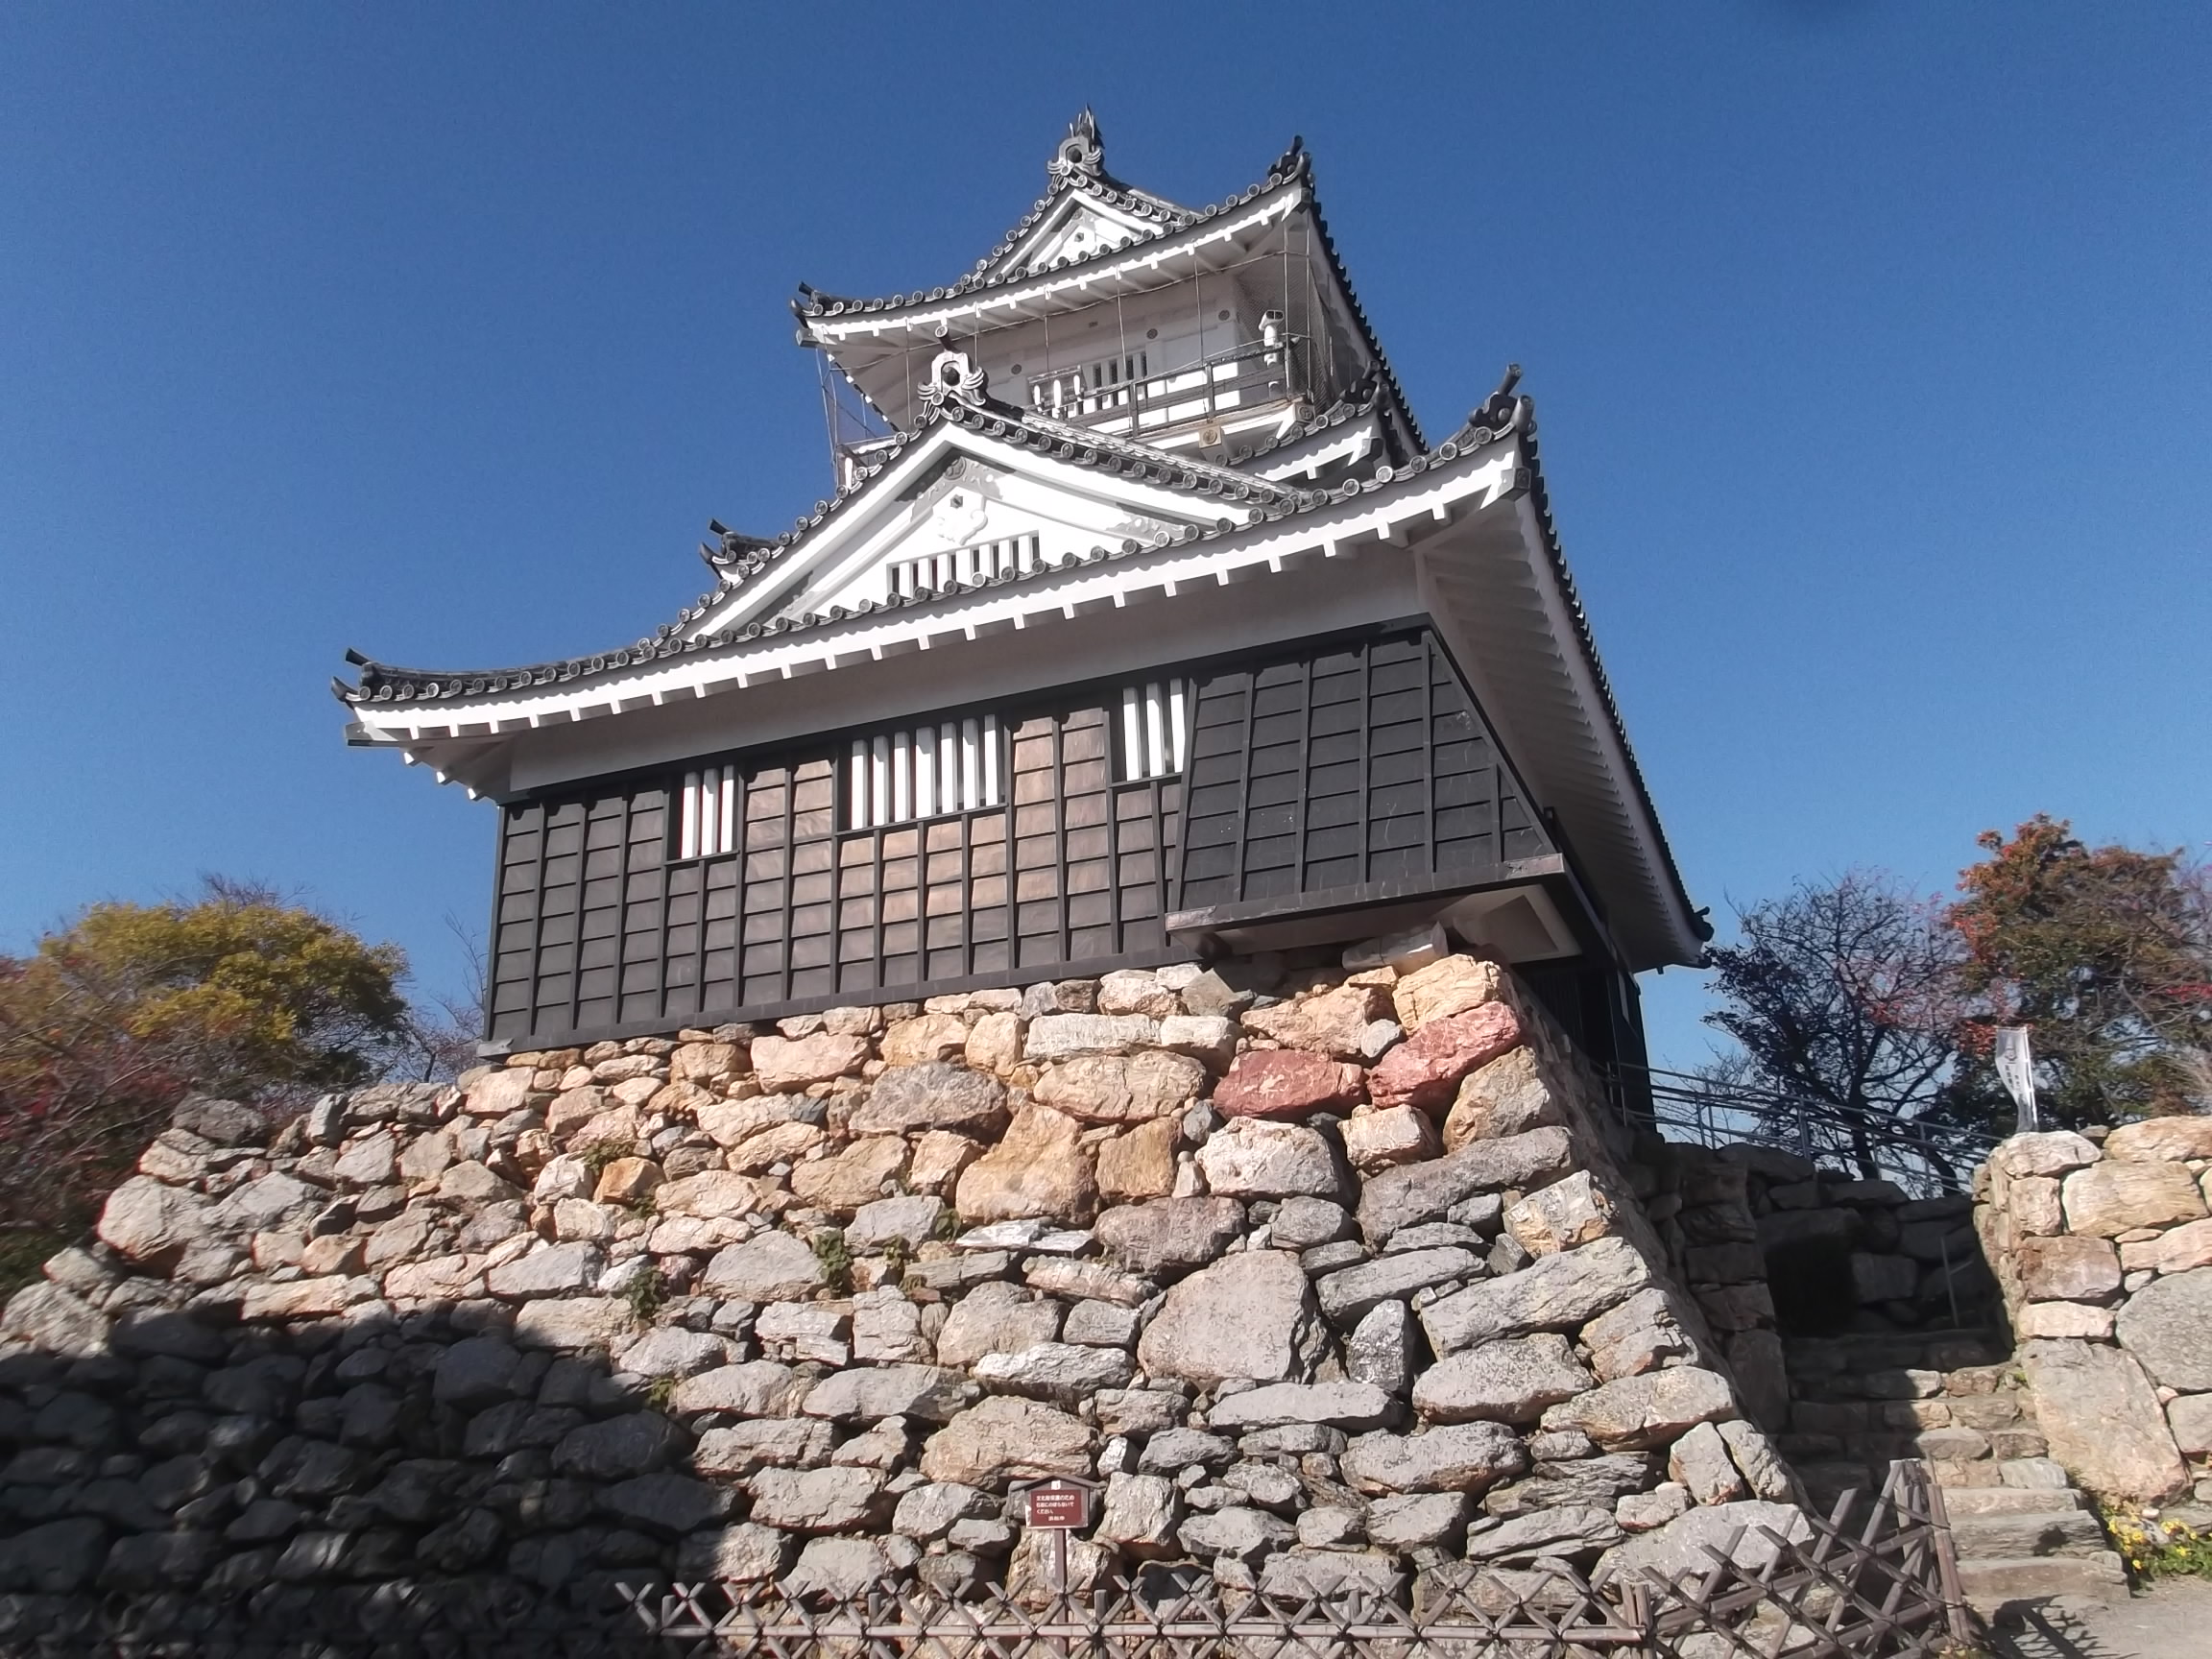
[707, 812]
[901, 775]
[1154, 736]
[938, 572]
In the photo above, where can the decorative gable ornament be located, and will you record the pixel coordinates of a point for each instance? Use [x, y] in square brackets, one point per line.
[953, 375]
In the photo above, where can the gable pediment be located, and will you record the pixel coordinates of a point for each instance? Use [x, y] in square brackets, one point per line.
[1076, 228]
[958, 507]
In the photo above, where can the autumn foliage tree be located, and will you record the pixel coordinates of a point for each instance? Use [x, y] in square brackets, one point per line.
[110, 1021]
[2104, 953]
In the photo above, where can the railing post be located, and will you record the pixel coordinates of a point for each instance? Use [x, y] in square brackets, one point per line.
[1956, 1613]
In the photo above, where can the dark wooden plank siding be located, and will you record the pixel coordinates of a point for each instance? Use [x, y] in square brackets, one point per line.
[598, 927]
[1346, 767]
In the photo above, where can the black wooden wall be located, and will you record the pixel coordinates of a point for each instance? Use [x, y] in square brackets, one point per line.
[1351, 773]
[1322, 773]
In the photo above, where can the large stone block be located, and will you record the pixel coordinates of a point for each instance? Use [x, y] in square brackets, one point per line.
[1006, 1438]
[1138, 1165]
[773, 1267]
[2168, 1326]
[1649, 1409]
[1170, 1235]
[1506, 1382]
[1250, 1157]
[1426, 1069]
[1449, 986]
[2102, 1420]
[1346, 1296]
[785, 1064]
[1121, 1088]
[1412, 1193]
[1509, 1096]
[1556, 1294]
[2158, 1140]
[932, 1094]
[2053, 1153]
[2110, 1198]
[1246, 1316]
[1041, 1170]
[1461, 1457]
[2069, 1269]
[1288, 1083]
[1349, 1406]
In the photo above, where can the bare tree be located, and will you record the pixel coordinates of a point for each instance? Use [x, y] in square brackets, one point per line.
[1842, 1002]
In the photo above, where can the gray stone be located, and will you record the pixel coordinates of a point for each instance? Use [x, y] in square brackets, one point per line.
[1138, 1515]
[1007, 1438]
[1510, 1381]
[1102, 1325]
[554, 1270]
[932, 1393]
[147, 1222]
[1347, 1297]
[928, 1512]
[834, 1499]
[1567, 1531]
[936, 1095]
[1557, 1292]
[475, 1372]
[269, 1202]
[1382, 1347]
[996, 1318]
[2101, 1418]
[1584, 1482]
[1438, 1235]
[669, 1504]
[670, 1350]
[842, 1568]
[1236, 1532]
[1301, 1223]
[1174, 1449]
[1463, 1457]
[1763, 1471]
[1296, 1575]
[1416, 1192]
[176, 1335]
[1064, 1036]
[1415, 1521]
[1644, 1411]
[2168, 1326]
[1339, 1405]
[1064, 1372]
[1681, 1546]
[1253, 1158]
[55, 1558]
[49, 1319]
[636, 1443]
[1325, 1259]
[160, 1558]
[1170, 1235]
[226, 1122]
[1331, 1526]
[1699, 1460]
[911, 1221]
[758, 1389]
[773, 1267]
[1122, 1089]
[745, 1553]
[1249, 1315]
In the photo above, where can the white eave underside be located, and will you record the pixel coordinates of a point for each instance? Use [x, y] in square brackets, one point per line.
[1482, 555]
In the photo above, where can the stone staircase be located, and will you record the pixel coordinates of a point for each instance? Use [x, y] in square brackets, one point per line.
[2023, 1531]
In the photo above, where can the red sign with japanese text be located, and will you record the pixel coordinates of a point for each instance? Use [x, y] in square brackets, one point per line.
[1064, 1506]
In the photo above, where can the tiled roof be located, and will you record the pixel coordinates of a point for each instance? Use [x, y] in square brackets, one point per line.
[1251, 500]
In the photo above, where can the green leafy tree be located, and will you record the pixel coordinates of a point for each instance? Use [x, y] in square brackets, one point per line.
[2105, 955]
[111, 1020]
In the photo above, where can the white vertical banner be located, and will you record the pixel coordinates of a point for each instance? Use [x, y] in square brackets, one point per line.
[2016, 1071]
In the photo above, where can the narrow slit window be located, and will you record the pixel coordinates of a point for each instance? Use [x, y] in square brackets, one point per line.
[1155, 730]
[707, 812]
[926, 772]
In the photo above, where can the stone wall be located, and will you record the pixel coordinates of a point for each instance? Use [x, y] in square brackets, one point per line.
[1328, 1279]
[2102, 1247]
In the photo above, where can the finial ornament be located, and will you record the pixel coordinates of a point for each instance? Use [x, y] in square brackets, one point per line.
[953, 375]
[1081, 151]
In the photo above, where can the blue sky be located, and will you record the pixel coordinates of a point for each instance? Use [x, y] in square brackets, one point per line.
[1870, 340]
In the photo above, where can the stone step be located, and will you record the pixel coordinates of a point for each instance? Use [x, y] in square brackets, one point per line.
[1990, 1585]
[1966, 1501]
[2001, 1537]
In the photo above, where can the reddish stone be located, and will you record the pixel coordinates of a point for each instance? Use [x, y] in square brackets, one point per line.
[1424, 1069]
[1288, 1083]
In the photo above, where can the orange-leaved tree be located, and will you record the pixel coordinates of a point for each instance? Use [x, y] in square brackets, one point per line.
[2105, 955]
[112, 1019]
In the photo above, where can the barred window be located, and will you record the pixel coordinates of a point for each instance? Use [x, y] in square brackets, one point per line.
[707, 812]
[938, 572]
[897, 776]
[1109, 383]
[1155, 739]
